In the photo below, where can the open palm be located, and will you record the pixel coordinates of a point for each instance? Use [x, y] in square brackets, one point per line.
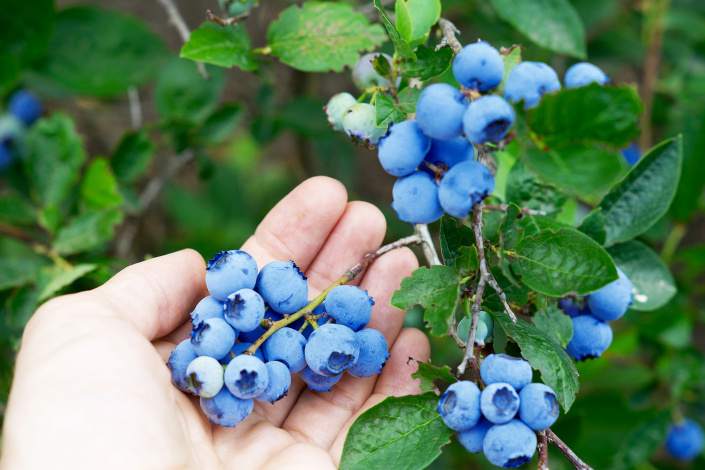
[91, 389]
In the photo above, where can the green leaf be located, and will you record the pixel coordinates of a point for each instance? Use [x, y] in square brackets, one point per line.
[593, 225]
[428, 374]
[404, 432]
[132, 156]
[54, 156]
[17, 271]
[691, 182]
[403, 19]
[557, 263]
[382, 66]
[642, 442]
[386, 112]
[424, 14]
[223, 46]
[468, 262]
[429, 63]
[408, 97]
[50, 218]
[557, 325]
[454, 237]
[402, 48]
[99, 188]
[16, 211]
[86, 232]
[25, 28]
[553, 24]
[511, 58]
[101, 52]
[221, 124]
[589, 114]
[322, 36]
[10, 70]
[644, 195]
[546, 356]
[653, 282]
[59, 277]
[437, 290]
[509, 234]
[524, 190]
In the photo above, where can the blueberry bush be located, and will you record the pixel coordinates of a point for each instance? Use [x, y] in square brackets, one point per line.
[544, 157]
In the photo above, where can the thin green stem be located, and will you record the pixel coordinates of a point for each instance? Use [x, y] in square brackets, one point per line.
[672, 241]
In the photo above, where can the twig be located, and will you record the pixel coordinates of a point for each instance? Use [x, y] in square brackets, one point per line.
[429, 250]
[503, 208]
[543, 450]
[210, 16]
[449, 30]
[135, 107]
[178, 21]
[566, 451]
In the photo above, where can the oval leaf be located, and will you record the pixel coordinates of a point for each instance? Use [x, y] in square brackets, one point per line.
[223, 46]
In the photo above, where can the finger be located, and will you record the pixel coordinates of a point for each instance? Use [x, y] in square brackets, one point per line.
[395, 379]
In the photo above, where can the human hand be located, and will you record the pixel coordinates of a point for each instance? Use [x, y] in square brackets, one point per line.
[91, 389]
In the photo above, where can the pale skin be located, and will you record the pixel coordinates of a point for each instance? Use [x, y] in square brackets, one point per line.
[91, 389]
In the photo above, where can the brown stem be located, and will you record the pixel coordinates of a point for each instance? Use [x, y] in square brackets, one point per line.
[503, 208]
[566, 451]
[178, 21]
[543, 450]
[429, 250]
[449, 30]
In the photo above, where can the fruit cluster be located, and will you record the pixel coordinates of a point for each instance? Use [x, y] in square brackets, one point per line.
[222, 362]
[434, 156]
[23, 109]
[592, 335]
[501, 419]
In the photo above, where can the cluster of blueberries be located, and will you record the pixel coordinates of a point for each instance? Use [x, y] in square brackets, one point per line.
[217, 362]
[438, 145]
[23, 109]
[592, 335]
[501, 419]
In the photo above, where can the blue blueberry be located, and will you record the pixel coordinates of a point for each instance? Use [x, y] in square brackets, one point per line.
[583, 74]
[403, 148]
[207, 308]
[632, 154]
[373, 353]
[12, 139]
[449, 152]
[225, 409]
[529, 81]
[416, 199]
[539, 406]
[25, 106]
[283, 286]
[591, 337]
[499, 402]
[336, 107]
[287, 346]
[180, 358]
[497, 368]
[439, 111]
[6, 157]
[238, 349]
[612, 301]
[204, 376]
[472, 438]
[254, 335]
[317, 382]
[246, 376]
[213, 337]
[360, 122]
[230, 271]
[244, 310]
[479, 66]
[509, 445]
[459, 406]
[278, 384]
[331, 349]
[364, 74]
[463, 186]
[488, 119]
[350, 306]
[485, 328]
[574, 307]
[685, 440]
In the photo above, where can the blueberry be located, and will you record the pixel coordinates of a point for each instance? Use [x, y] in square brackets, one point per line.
[574, 307]
[244, 310]
[612, 301]
[499, 402]
[230, 271]
[204, 376]
[439, 111]
[459, 406]
[449, 152]
[331, 349]
[485, 327]
[583, 74]
[336, 107]
[539, 407]
[472, 438]
[488, 119]
[225, 409]
[373, 353]
[317, 382]
[25, 106]
[12, 139]
[463, 186]
[509, 445]
[207, 308]
[180, 358]
[283, 286]
[287, 346]
[479, 66]
[350, 306]
[416, 199]
[503, 368]
[278, 384]
[529, 81]
[360, 122]
[364, 74]
[213, 337]
[632, 154]
[685, 440]
[6, 157]
[246, 376]
[254, 335]
[403, 148]
[238, 349]
[591, 337]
